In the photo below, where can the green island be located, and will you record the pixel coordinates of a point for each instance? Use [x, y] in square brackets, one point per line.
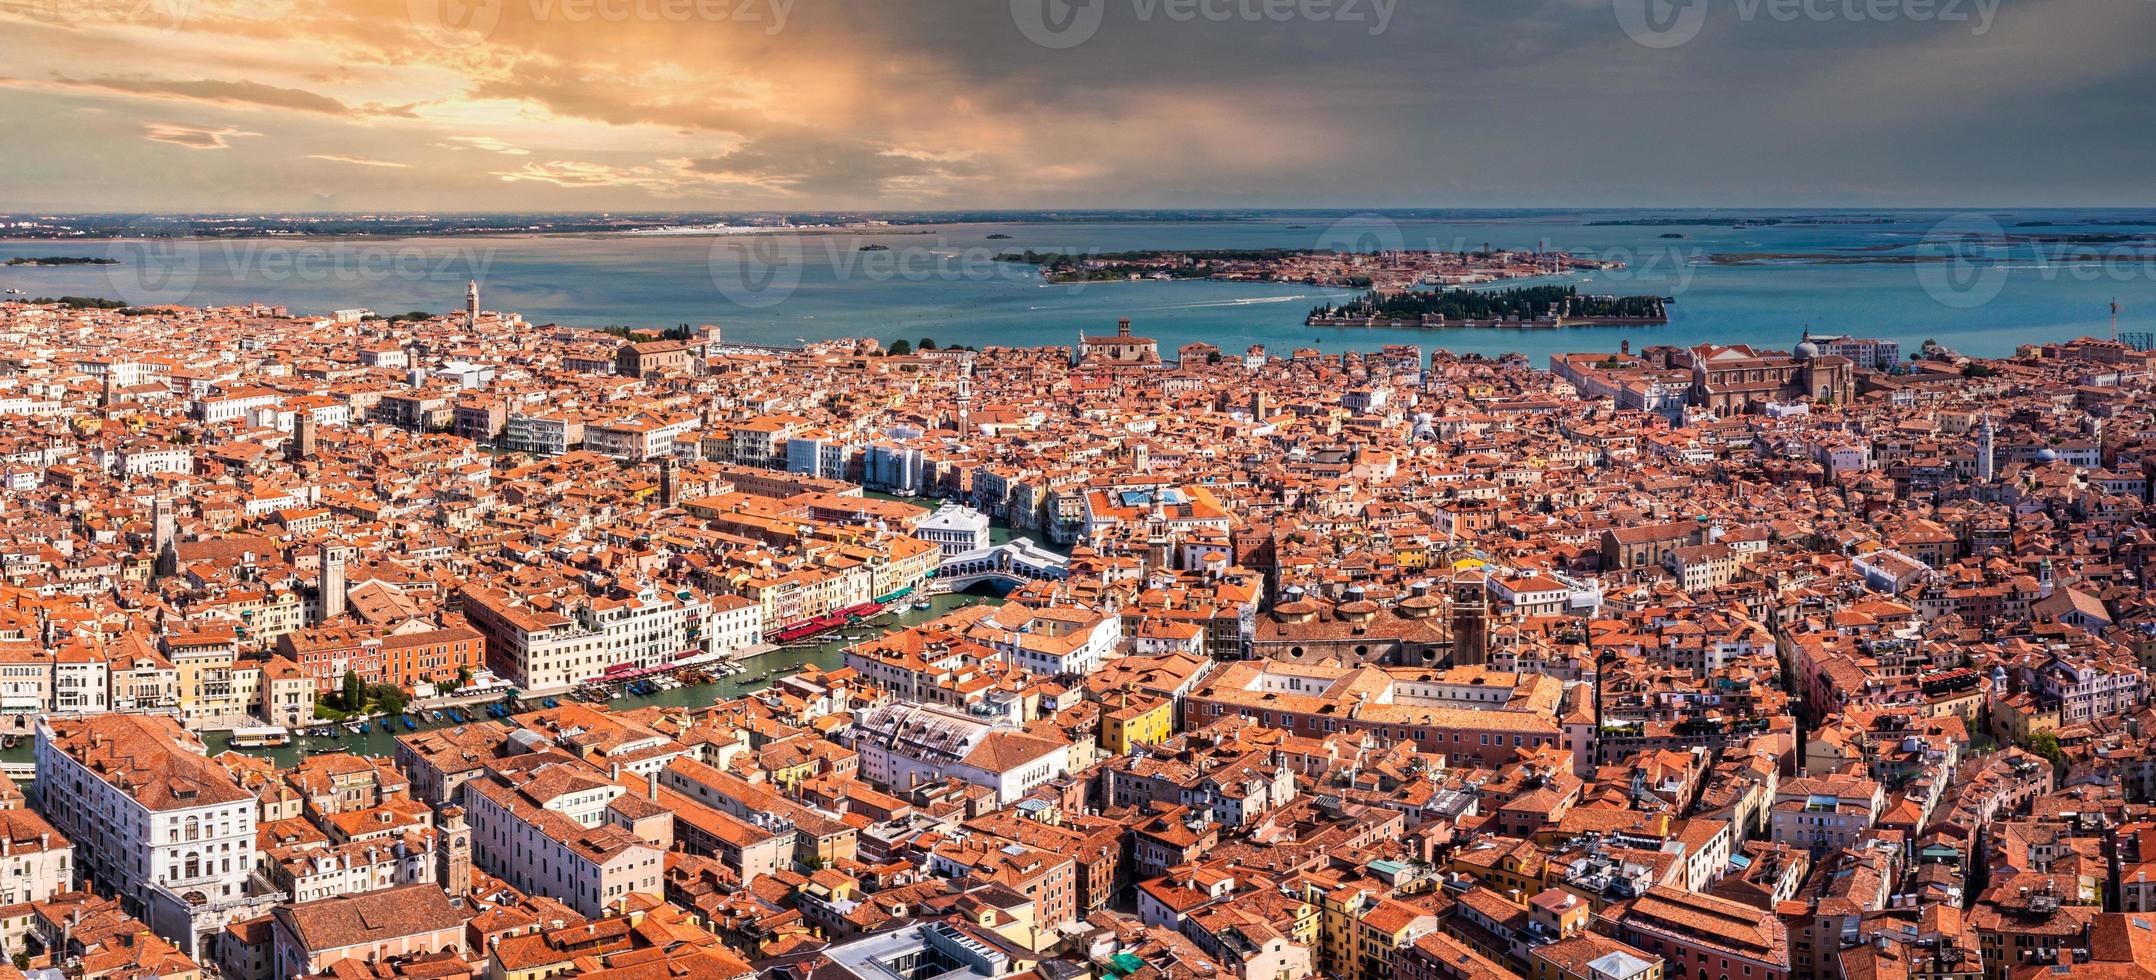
[1524, 303]
[85, 303]
[1110, 266]
[61, 260]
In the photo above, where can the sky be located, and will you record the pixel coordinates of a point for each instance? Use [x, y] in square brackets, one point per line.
[740, 105]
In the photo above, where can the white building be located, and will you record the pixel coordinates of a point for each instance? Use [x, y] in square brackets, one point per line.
[956, 529]
[637, 437]
[233, 405]
[2086, 689]
[1052, 640]
[651, 628]
[823, 455]
[1825, 813]
[143, 458]
[545, 832]
[36, 860]
[81, 682]
[903, 746]
[1531, 594]
[539, 649]
[544, 649]
[734, 623]
[547, 435]
[465, 374]
[155, 822]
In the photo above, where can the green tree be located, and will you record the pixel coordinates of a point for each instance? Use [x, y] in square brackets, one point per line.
[389, 697]
[926, 344]
[901, 347]
[353, 692]
[1212, 357]
[2047, 745]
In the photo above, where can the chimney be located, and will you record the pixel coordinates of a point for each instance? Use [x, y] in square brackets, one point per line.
[651, 786]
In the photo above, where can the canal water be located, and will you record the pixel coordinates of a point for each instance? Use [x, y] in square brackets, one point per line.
[757, 673]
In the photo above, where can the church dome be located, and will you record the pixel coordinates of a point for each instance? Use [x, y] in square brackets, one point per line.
[1807, 349]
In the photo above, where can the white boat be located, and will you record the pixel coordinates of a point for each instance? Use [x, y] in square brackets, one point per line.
[260, 738]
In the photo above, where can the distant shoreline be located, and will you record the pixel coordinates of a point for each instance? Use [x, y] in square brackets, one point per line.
[110, 226]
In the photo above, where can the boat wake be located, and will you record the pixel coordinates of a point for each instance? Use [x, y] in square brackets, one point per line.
[1246, 301]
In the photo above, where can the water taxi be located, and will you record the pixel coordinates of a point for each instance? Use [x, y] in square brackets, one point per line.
[260, 738]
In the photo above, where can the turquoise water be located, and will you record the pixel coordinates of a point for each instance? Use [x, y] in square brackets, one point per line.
[942, 283]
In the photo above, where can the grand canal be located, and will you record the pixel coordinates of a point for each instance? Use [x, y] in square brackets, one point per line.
[756, 673]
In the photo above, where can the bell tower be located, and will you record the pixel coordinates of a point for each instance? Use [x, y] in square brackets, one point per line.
[453, 859]
[301, 447]
[164, 536]
[330, 583]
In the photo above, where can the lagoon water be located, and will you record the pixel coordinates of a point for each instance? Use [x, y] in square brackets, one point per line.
[940, 281]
